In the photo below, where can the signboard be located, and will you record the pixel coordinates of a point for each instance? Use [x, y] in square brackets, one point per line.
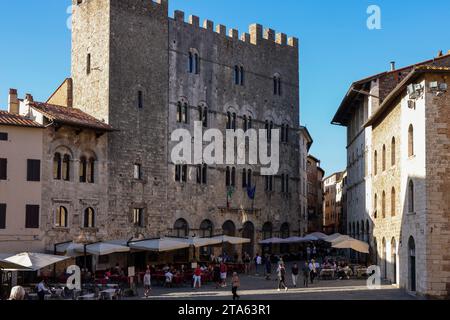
[131, 271]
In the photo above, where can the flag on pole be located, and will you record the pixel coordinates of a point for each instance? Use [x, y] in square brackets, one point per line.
[230, 192]
[251, 192]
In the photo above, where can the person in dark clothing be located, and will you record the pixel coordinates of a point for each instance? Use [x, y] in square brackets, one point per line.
[294, 271]
[305, 271]
[268, 266]
[216, 275]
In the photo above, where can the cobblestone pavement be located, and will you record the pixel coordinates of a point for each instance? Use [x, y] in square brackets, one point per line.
[257, 288]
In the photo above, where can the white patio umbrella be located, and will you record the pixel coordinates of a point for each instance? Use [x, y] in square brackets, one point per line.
[9, 266]
[70, 249]
[335, 237]
[159, 245]
[103, 248]
[199, 242]
[35, 261]
[232, 240]
[353, 244]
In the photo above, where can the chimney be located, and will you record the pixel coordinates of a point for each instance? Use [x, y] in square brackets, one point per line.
[13, 101]
[392, 65]
[28, 97]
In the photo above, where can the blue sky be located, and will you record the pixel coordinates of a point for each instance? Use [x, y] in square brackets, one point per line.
[336, 47]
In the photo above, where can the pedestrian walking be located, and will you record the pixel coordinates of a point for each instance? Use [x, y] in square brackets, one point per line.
[258, 262]
[306, 273]
[281, 272]
[268, 266]
[147, 283]
[223, 274]
[197, 277]
[236, 283]
[312, 271]
[294, 271]
[216, 275]
[247, 261]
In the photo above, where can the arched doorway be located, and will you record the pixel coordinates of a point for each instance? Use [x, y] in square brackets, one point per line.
[267, 232]
[248, 231]
[229, 229]
[284, 234]
[412, 264]
[394, 260]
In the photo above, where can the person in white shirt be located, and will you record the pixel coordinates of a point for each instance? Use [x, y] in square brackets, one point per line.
[147, 283]
[169, 278]
[312, 270]
[42, 290]
[258, 262]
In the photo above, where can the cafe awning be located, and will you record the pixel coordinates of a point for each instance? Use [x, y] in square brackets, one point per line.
[34, 261]
[318, 235]
[159, 245]
[336, 237]
[9, 266]
[353, 244]
[69, 249]
[103, 248]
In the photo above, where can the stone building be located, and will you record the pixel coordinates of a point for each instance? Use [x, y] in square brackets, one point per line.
[332, 202]
[64, 193]
[147, 74]
[376, 188]
[306, 142]
[411, 132]
[315, 192]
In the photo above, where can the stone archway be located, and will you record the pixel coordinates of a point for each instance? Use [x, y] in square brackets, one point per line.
[248, 231]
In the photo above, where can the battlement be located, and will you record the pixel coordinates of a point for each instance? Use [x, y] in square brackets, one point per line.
[255, 35]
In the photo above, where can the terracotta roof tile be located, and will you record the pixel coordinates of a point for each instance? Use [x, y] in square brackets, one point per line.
[70, 116]
[11, 119]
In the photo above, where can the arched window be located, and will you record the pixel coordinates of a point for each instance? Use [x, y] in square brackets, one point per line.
[203, 116]
[244, 178]
[384, 268]
[242, 75]
[410, 141]
[234, 121]
[191, 62]
[354, 230]
[91, 170]
[206, 229]
[393, 152]
[384, 158]
[277, 85]
[363, 233]
[233, 177]
[383, 204]
[375, 206]
[367, 230]
[282, 133]
[184, 116]
[197, 63]
[375, 163]
[194, 62]
[228, 120]
[267, 230]
[411, 197]
[245, 123]
[61, 217]
[57, 166]
[181, 228]
[89, 218]
[249, 178]
[205, 174]
[229, 228]
[83, 170]
[239, 75]
[357, 230]
[412, 263]
[375, 250]
[66, 168]
[228, 177]
[236, 75]
[393, 202]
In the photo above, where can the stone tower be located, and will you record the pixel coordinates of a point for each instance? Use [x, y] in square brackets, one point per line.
[120, 75]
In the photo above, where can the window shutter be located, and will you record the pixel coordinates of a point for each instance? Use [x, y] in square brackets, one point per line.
[2, 216]
[32, 217]
[3, 169]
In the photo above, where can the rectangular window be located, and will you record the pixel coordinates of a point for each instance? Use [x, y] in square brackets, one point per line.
[137, 172]
[3, 136]
[2, 216]
[33, 170]
[88, 64]
[32, 217]
[138, 217]
[3, 169]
